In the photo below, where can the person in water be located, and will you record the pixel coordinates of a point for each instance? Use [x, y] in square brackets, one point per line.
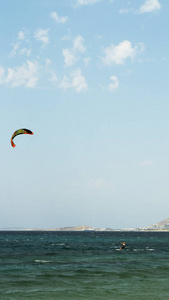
[123, 245]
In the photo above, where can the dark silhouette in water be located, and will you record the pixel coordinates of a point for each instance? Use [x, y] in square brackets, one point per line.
[123, 245]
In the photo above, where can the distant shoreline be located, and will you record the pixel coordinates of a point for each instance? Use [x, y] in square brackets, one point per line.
[53, 230]
[84, 230]
[158, 227]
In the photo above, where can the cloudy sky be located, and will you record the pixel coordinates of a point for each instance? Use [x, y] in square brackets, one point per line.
[90, 79]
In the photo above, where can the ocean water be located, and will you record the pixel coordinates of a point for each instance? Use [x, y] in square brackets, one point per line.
[84, 265]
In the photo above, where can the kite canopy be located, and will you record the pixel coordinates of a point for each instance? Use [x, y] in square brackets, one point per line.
[19, 131]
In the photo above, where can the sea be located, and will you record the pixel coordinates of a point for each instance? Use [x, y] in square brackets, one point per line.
[84, 265]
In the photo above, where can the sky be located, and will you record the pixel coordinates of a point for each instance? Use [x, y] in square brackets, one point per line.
[90, 79]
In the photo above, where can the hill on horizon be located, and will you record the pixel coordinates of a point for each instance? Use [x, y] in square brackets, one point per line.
[163, 225]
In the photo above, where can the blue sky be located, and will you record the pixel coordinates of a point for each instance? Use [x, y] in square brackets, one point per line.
[90, 79]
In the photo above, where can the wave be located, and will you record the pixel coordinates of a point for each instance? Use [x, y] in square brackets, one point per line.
[43, 261]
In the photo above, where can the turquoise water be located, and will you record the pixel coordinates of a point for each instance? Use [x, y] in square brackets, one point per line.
[84, 265]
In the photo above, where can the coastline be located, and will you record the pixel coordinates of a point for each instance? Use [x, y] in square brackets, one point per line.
[88, 229]
[162, 226]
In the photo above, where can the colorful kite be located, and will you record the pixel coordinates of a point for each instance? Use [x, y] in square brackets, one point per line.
[20, 131]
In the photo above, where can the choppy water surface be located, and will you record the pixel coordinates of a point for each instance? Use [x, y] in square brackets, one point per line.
[84, 265]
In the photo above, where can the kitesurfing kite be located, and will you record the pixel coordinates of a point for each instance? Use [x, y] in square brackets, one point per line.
[19, 131]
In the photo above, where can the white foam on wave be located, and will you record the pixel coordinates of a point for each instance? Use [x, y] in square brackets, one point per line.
[42, 261]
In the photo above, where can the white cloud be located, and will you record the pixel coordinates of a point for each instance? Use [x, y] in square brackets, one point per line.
[76, 81]
[18, 50]
[25, 75]
[71, 54]
[149, 6]
[26, 51]
[146, 163]
[114, 84]
[21, 35]
[42, 36]
[2, 72]
[86, 2]
[69, 57]
[14, 50]
[78, 44]
[125, 10]
[117, 54]
[58, 19]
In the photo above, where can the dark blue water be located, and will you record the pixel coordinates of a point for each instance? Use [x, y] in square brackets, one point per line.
[84, 265]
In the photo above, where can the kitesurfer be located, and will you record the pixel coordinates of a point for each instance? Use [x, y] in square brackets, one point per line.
[123, 245]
